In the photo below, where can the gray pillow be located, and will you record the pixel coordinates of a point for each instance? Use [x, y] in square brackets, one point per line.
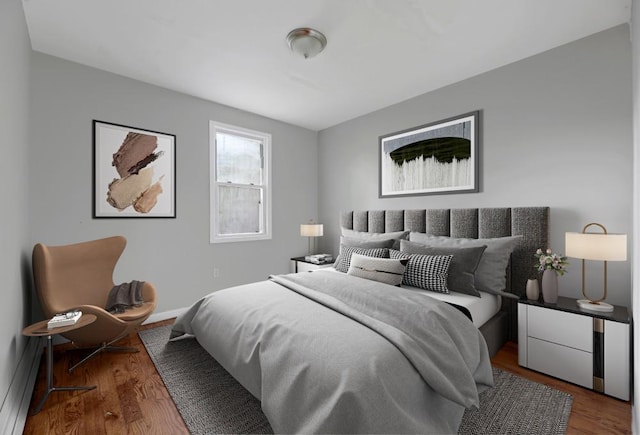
[377, 269]
[344, 259]
[491, 274]
[370, 237]
[363, 243]
[462, 268]
[428, 272]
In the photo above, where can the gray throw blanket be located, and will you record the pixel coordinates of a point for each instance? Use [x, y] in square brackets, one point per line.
[125, 295]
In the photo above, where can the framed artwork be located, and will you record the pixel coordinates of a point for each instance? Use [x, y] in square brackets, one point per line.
[134, 172]
[436, 158]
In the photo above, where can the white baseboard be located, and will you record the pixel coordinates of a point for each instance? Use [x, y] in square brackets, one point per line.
[15, 406]
[165, 315]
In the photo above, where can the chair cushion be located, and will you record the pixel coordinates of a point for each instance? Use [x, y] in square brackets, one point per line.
[135, 313]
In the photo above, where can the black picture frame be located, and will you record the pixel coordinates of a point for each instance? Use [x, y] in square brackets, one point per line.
[438, 158]
[134, 172]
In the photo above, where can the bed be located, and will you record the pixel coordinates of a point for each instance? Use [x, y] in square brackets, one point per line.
[532, 223]
[331, 352]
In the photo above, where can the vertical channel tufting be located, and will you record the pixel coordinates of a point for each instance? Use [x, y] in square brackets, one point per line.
[533, 224]
[415, 220]
[376, 221]
[464, 223]
[393, 221]
[361, 220]
[438, 222]
[346, 220]
[494, 222]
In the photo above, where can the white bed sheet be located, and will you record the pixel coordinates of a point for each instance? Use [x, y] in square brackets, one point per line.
[481, 308]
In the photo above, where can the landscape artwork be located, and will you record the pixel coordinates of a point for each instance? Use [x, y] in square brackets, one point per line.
[133, 172]
[437, 158]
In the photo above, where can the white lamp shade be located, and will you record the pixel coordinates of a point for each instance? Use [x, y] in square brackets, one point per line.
[596, 246]
[311, 230]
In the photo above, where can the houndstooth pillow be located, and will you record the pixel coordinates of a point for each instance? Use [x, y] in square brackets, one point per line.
[427, 272]
[344, 259]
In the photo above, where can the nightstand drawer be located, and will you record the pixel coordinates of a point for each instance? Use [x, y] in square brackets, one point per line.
[560, 327]
[299, 264]
[562, 362]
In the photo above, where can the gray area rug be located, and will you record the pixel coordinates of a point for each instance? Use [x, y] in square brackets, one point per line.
[211, 401]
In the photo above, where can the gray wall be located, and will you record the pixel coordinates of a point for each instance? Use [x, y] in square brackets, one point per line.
[15, 249]
[556, 131]
[174, 254]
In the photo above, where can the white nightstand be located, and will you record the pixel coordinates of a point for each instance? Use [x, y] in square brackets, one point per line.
[299, 264]
[591, 349]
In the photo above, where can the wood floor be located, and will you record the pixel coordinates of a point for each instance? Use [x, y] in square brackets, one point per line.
[130, 397]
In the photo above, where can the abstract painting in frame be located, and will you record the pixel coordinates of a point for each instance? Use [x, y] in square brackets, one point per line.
[436, 158]
[134, 172]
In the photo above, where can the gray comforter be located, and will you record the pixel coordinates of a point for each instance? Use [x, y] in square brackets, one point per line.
[327, 352]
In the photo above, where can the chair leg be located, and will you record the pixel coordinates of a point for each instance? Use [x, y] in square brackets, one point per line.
[105, 347]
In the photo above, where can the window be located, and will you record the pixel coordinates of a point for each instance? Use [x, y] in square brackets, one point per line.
[240, 184]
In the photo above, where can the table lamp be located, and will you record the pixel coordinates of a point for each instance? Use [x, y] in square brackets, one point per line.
[311, 231]
[602, 246]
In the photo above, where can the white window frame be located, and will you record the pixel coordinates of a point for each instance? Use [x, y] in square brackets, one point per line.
[265, 138]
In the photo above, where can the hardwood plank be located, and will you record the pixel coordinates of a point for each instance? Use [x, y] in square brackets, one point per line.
[131, 398]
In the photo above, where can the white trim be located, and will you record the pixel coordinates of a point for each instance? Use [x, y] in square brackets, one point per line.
[265, 139]
[15, 405]
[165, 315]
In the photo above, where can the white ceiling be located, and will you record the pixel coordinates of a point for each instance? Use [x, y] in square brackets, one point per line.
[379, 52]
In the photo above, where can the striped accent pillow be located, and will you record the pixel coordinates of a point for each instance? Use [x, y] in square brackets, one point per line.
[344, 259]
[383, 270]
[428, 272]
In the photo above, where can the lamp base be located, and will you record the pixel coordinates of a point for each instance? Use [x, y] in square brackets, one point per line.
[586, 304]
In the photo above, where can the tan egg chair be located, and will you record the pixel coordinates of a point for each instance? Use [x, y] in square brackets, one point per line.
[80, 276]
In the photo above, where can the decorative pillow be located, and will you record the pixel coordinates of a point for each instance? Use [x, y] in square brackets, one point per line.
[463, 264]
[377, 269]
[344, 259]
[361, 243]
[363, 235]
[427, 272]
[491, 274]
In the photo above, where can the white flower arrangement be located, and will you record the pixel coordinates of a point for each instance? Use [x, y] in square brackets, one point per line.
[547, 260]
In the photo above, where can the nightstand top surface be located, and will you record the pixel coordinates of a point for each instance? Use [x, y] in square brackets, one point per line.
[619, 314]
[302, 259]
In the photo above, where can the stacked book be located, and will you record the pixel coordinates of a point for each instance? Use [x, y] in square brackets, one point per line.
[64, 319]
[318, 258]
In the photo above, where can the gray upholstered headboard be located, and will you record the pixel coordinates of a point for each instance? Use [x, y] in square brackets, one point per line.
[530, 222]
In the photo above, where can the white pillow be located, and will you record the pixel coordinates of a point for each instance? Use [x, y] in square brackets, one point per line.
[491, 274]
[344, 259]
[377, 269]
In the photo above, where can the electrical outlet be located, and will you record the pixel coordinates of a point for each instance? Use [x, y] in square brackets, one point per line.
[216, 272]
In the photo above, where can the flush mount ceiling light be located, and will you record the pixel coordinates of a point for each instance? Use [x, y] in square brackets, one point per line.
[306, 42]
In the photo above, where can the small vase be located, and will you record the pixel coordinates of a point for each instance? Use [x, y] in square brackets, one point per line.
[533, 292]
[550, 286]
